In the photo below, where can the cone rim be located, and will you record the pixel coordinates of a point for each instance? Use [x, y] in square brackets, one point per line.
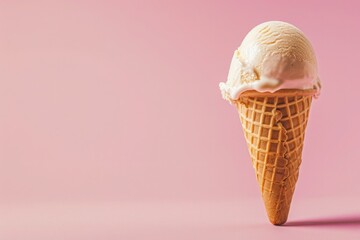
[279, 93]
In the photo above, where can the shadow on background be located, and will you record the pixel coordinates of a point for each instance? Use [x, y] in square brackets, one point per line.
[341, 221]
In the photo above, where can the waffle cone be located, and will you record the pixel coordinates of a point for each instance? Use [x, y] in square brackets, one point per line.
[274, 127]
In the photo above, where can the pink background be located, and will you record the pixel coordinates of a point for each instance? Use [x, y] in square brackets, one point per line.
[112, 125]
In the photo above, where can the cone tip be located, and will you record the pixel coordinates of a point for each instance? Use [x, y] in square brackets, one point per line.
[278, 222]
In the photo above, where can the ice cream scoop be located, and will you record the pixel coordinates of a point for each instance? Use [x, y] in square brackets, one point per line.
[274, 55]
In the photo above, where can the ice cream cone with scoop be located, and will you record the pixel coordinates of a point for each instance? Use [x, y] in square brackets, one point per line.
[272, 80]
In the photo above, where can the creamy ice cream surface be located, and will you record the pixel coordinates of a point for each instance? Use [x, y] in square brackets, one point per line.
[273, 56]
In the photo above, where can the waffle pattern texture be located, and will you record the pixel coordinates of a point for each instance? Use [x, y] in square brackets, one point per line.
[274, 127]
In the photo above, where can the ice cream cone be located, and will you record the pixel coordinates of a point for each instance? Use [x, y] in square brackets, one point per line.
[272, 79]
[274, 126]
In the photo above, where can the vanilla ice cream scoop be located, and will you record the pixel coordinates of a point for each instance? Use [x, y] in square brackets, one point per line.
[273, 56]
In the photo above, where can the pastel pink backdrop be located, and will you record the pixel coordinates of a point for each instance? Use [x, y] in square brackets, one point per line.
[118, 101]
